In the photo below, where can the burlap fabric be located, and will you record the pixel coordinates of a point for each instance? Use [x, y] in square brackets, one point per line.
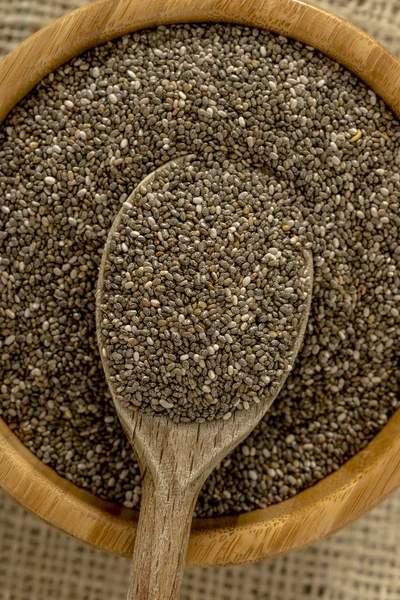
[360, 563]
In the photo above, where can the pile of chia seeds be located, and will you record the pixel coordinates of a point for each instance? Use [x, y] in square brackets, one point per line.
[205, 285]
[71, 154]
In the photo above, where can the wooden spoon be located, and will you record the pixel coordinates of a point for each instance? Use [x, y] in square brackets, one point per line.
[175, 460]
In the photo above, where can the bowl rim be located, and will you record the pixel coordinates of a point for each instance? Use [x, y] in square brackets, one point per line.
[359, 484]
[337, 500]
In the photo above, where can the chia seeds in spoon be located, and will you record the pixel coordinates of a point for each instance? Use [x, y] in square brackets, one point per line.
[71, 154]
[203, 291]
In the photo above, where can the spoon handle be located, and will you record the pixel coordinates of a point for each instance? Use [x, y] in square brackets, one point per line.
[161, 540]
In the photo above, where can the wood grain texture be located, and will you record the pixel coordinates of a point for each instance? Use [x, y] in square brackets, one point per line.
[161, 541]
[176, 458]
[338, 499]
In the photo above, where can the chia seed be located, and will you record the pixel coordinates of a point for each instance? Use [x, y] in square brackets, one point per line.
[194, 276]
[326, 148]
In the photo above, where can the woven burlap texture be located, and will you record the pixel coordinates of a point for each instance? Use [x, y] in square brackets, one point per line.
[361, 562]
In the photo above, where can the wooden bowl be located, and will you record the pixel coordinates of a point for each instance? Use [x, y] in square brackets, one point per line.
[338, 499]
